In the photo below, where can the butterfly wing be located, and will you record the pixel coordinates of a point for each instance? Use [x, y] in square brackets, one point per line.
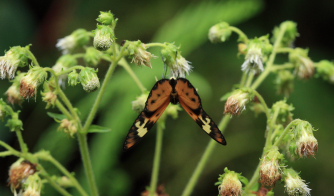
[191, 102]
[157, 102]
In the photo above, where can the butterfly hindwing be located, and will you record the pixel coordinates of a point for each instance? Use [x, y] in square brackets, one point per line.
[191, 102]
[157, 102]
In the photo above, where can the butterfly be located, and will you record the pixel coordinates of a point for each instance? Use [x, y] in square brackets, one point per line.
[173, 91]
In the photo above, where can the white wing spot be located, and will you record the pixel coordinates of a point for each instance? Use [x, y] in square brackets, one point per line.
[206, 127]
[141, 129]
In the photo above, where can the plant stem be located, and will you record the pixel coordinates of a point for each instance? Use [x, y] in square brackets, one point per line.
[98, 99]
[204, 159]
[242, 36]
[52, 182]
[127, 68]
[271, 59]
[250, 79]
[68, 174]
[23, 146]
[259, 96]
[82, 138]
[61, 107]
[156, 161]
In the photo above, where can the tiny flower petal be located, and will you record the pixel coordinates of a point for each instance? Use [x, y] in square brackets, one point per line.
[253, 60]
[236, 103]
[294, 185]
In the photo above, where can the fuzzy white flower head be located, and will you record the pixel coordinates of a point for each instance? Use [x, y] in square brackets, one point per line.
[181, 68]
[253, 60]
[236, 103]
[307, 145]
[143, 57]
[66, 44]
[295, 185]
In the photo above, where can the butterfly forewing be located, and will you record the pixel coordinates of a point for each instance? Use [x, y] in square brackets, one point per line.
[191, 102]
[157, 102]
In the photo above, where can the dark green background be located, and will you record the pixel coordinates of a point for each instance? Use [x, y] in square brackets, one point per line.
[216, 69]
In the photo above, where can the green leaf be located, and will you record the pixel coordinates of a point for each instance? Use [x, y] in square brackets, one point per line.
[98, 129]
[56, 117]
[189, 28]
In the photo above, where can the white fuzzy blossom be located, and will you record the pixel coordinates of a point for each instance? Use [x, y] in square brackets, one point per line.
[8, 65]
[66, 44]
[296, 186]
[181, 68]
[253, 60]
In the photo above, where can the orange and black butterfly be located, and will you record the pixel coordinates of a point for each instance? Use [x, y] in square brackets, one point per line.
[171, 91]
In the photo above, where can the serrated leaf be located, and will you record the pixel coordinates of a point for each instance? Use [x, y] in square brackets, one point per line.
[56, 117]
[98, 129]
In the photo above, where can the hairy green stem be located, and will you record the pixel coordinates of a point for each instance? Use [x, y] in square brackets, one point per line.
[56, 186]
[271, 59]
[204, 159]
[127, 68]
[67, 174]
[9, 148]
[242, 36]
[82, 138]
[61, 107]
[286, 130]
[23, 145]
[250, 79]
[259, 96]
[157, 158]
[98, 99]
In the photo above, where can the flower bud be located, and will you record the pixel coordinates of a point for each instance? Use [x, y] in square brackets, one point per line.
[68, 126]
[305, 68]
[73, 78]
[138, 105]
[290, 33]
[325, 70]
[236, 103]
[140, 56]
[49, 94]
[229, 183]
[255, 54]
[284, 82]
[104, 37]
[172, 58]
[79, 37]
[294, 185]
[106, 18]
[219, 32]
[64, 181]
[15, 124]
[30, 82]
[19, 172]
[89, 80]
[172, 110]
[32, 186]
[270, 169]
[64, 62]
[283, 112]
[3, 109]
[16, 57]
[301, 141]
[13, 92]
[92, 56]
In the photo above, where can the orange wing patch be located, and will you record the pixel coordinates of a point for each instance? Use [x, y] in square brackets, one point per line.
[157, 102]
[174, 91]
[191, 102]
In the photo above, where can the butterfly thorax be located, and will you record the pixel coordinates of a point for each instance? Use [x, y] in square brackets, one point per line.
[174, 99]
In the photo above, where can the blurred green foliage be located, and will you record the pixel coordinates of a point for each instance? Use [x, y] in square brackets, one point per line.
[216, 69]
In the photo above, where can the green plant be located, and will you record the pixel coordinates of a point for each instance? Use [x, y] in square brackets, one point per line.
[285, 136]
